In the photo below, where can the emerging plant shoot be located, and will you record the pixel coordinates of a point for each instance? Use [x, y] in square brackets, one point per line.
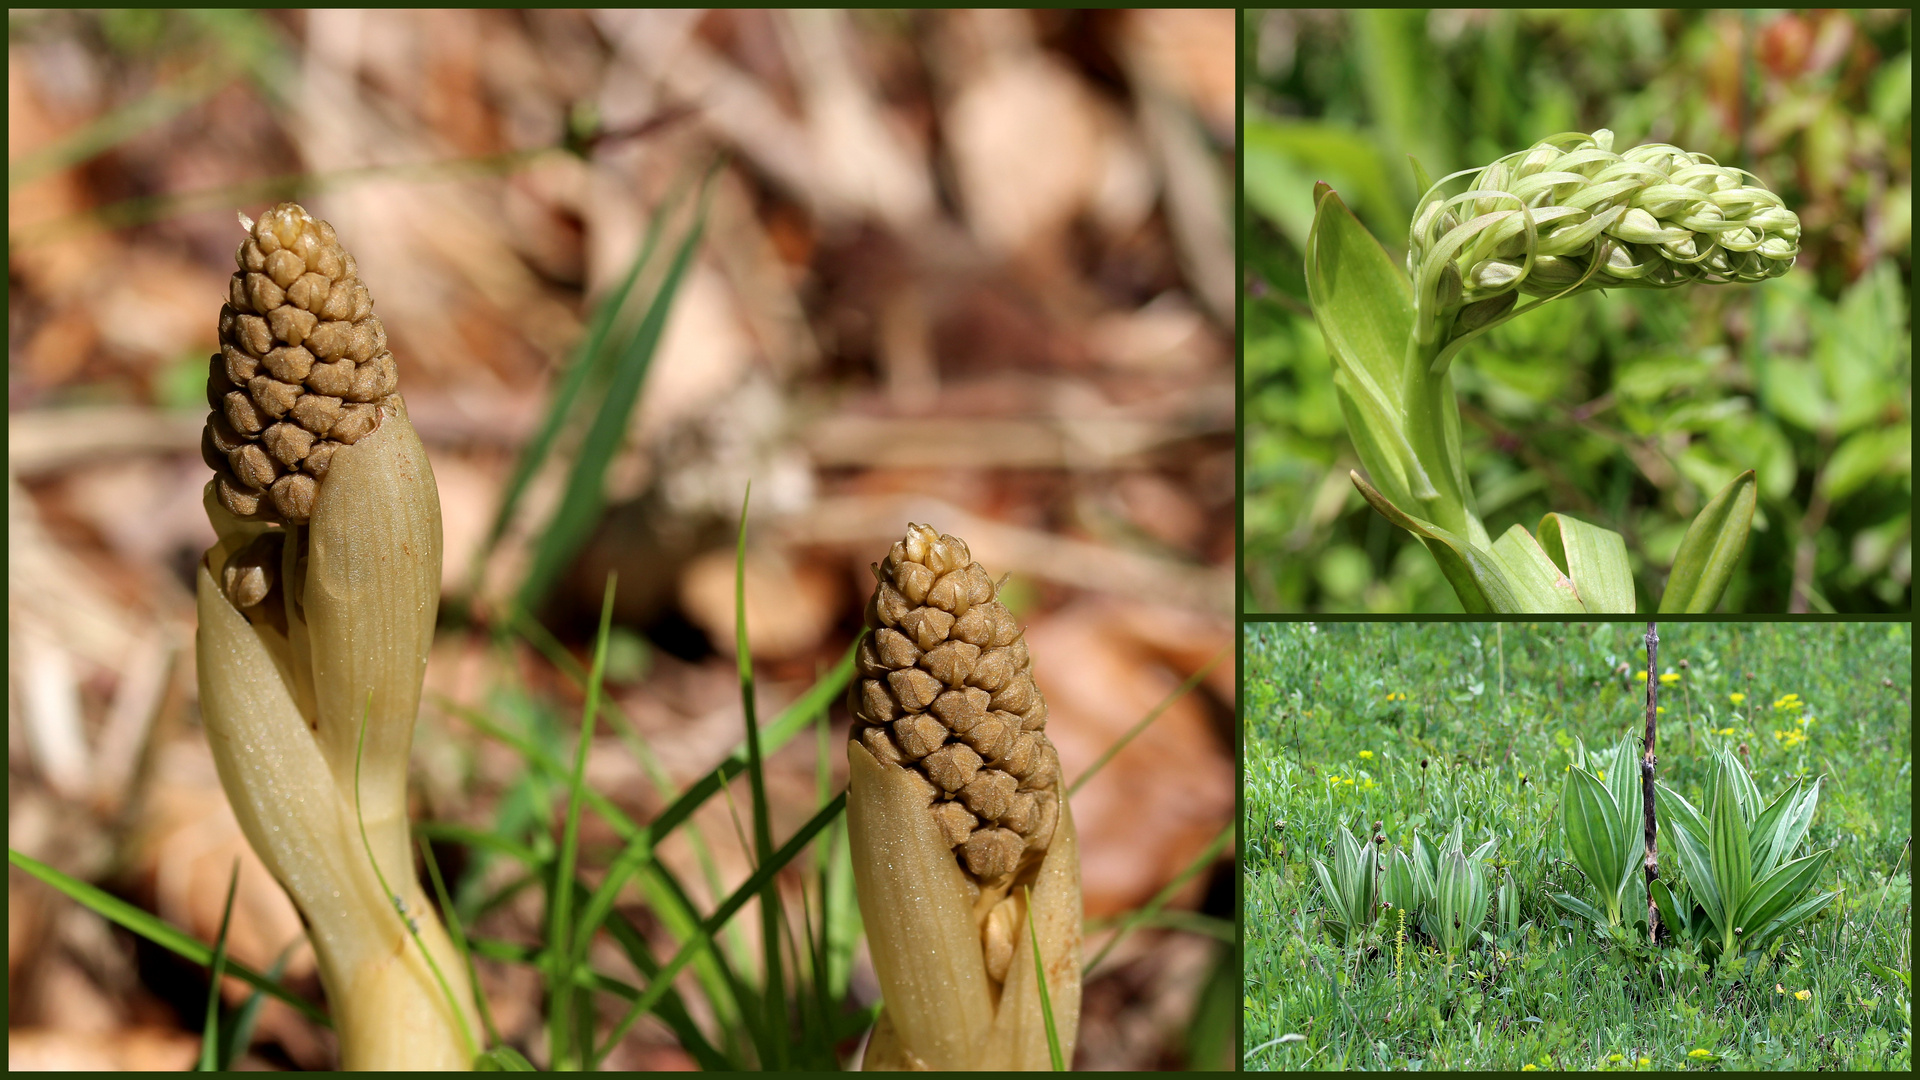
[317, 606]
[963, 844]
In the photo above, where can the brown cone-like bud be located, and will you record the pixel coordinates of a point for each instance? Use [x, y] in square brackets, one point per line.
[302, 369]
[945, 688]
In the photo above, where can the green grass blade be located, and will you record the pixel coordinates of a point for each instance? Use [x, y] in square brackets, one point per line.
[1153, 714]
[458, 934]
[585, 496]
[775, 997]
[762, 874]
[671, 1009]
[210, 1032]
[589, 360]
[1046, 999]
[560, 936]
[239, 1033]
[1134, 920]
[165, 935]
[468, 836]
[502, 1059]
[133, 119]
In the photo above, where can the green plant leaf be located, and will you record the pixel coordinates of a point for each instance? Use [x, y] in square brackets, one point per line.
[502, 1059]
[1364, 308]
[1542, 585]
[1770, 828]
[1672, 810]
[1710, 550]
[1671, 913]
[1728, 847]
[1579, 907]
[1486, 582]
[1595, 558]
[1777, 892]
[1793, 916]
[579, 511]
[161, 933]
[1591, 822]
[1623, 783]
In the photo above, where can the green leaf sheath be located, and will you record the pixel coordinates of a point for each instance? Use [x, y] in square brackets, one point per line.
[1364, 306]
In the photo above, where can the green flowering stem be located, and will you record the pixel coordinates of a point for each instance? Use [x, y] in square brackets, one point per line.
[1565, 216]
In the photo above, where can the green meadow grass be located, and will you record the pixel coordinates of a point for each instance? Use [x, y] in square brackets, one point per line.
[1340, 719]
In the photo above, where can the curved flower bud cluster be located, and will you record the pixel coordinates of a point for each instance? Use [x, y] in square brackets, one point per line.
[303, 367]
[946, 689]
[1569, 214]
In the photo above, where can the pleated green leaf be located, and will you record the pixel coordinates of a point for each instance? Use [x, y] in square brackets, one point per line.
[1595, 558]
[1777, 892]
[1623, 783]
[1711, 548]
[1727, 846]
[1769, 830]
[1793, 916]
[1672, 914]
[1672, 811]
[1592, 825]
[1364, 306]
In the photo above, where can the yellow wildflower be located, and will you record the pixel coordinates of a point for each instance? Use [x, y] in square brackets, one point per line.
[1617, 1057]
[1641, 675]
[1348, 781]
[1724, 731]
[1698, 1052]
[1366, 755]
[1801, 995]
[1646, 1061]
[1736, 698]
[1669, 678]
[1778, 989]
[1528, 1067]
[1658, 709]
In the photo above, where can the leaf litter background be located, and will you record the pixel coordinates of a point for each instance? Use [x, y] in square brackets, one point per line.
[971, 269]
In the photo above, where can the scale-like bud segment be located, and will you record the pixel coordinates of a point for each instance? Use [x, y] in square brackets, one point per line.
[303, 367]
[1569, 214]
[946, 689]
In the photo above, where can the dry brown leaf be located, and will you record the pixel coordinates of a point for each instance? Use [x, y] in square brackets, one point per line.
[1151, 809]
[139, 1049]
[790, 604]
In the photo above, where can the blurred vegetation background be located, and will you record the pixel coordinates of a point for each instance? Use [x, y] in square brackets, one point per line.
[1629, 410]
[967, 268]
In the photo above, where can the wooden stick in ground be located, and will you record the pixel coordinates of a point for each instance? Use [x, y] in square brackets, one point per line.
[1646, 780]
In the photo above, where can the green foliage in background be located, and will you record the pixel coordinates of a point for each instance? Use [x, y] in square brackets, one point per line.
[1627, 408]
[1436, 727]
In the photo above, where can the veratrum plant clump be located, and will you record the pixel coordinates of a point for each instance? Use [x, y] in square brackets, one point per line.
[316, 609]
[964, 851]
